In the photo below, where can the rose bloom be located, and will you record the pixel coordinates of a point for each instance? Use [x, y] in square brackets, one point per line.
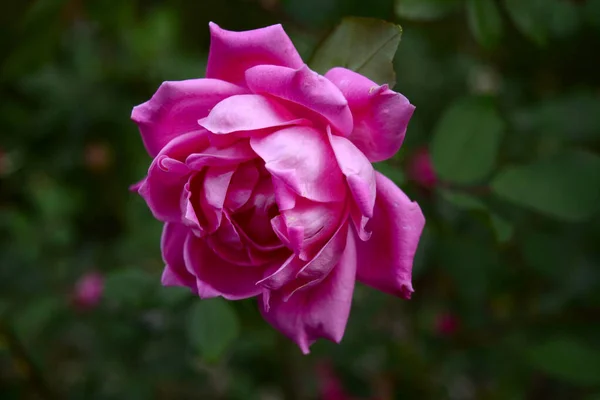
[420, 169]
[88, 290]
[262, 174]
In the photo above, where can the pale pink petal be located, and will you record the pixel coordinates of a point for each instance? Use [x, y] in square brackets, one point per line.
[248, 112]
[176, 108]
[163, 187]
[232, 53]
[310, 225]
[235, 154]
[217, 277]
[303, 159]
[284, 195]
[278, 277]
[212, 196]
[318, 312]
[172, 241]
[359, 173]
[242, 184]
[306, 88]
[385, 261]
[380, 115]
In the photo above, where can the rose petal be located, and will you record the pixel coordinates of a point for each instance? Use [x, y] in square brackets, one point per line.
[217, 277]
[232, 53]
[359, 172]
[248, 112]
[176, 108]
[385, 261]
[321, 311]
[306, 88]
[380, 115]
[212, 196]
[316, 221]
[172, 241]
[235, 154]
[163, 187]
[242, 184]
[302, 158]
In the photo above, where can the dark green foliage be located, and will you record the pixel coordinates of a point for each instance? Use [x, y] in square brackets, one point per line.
[507, 96]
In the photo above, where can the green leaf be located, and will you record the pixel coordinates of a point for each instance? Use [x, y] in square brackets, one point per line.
[567, 358]
[394, 173]
[425, 10]
[466, 141]
[566, 186]
[364, 45]
[462, 200]
[129, 287]
[528, 18]
[485, 22]
[212, 327]
[502, 228]
[32, 321]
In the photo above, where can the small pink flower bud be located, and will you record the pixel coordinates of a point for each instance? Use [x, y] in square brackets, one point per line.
[420, 169]
[88, 290]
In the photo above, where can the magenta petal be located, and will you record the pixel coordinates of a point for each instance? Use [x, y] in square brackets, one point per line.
[303, 159]
[232, 53]
[212, 196]
[380, 115]
[235, 154]
[318, 312]
[359, 172]
[385, 261]
[176, 108]
[242, 184]
[283, 275]
[247, 112]
[316, 221]
[305, 87]
[217, 277]
[327, 257]
[172, 241]
[163, 187]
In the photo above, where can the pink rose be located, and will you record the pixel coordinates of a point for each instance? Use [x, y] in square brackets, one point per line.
[446, 324]
[88, 290]
[420, 169]
[262, 174]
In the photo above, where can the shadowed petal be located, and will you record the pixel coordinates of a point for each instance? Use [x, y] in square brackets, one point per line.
[320, 311]
[172, 241]
[217, 277]
[385, 261]
[163, 187]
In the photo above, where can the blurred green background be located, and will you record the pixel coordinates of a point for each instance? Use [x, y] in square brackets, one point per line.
[507, 278]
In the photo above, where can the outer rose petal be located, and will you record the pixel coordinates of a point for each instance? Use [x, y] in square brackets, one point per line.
[380, 114]
[385, 261]
[176, 108]
[305, 87]
[322, 310]
[302, 158]
[359, 172]
[163, 187]
[232, 53]
[217, 277]
[248, 112]
[172, 241]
